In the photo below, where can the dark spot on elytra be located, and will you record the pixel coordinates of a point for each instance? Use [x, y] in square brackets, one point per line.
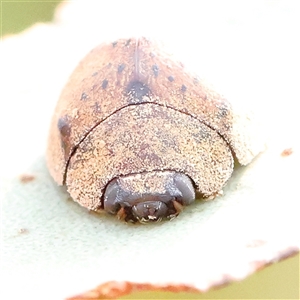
[183, 88]
[201, 135]
[121, 68]
[96, 107]
[151, 157]
[136, 91]
[104, 84]
[114, 44]
[64, 128]
[95, 74]
[144, 146]
[196, 80]
[84, 96]
[155, 70]
[171, 78]
[171, 142]
[222, 112]
[127, 42]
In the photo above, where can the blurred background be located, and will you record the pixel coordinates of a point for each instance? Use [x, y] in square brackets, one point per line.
[19, 15]
[278, 281]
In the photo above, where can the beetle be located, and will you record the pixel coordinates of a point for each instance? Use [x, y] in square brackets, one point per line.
[137, 135]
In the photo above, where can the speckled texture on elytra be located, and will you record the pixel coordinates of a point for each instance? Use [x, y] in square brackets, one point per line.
[144, 138]
[132, 73]
[122, 73]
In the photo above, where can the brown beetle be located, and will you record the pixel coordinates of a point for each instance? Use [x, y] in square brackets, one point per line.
[134, 134]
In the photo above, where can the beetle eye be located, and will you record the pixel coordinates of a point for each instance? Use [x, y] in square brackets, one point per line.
[111, 197]
[185, 186]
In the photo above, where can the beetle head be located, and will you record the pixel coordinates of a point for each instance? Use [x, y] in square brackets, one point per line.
[148, 197]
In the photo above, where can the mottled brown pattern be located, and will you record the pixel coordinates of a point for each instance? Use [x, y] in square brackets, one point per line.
[174, 122]
[98, 76]
[137, 139]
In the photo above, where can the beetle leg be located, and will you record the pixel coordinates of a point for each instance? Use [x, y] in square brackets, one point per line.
[178, 208]
[121, 214]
